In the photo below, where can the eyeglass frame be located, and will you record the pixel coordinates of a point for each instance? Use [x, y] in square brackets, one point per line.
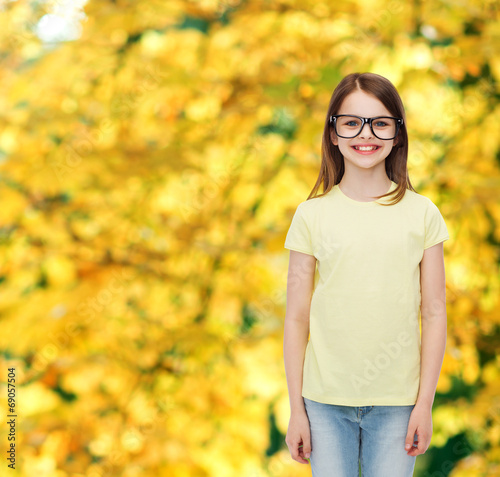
[333, 120]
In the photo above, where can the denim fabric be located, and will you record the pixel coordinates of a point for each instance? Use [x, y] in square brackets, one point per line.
[345, 437]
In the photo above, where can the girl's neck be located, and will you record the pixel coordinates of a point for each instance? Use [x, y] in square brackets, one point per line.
[364, 191]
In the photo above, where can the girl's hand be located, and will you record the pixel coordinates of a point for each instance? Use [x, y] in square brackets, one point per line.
[298, 437]
[421, 424]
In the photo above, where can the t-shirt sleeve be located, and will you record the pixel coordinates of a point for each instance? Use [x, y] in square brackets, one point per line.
[298, 237]
[435, 226]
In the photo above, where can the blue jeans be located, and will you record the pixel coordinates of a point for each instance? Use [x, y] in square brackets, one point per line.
[345, 437]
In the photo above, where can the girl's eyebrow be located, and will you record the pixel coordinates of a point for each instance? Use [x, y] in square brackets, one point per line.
[384, 115]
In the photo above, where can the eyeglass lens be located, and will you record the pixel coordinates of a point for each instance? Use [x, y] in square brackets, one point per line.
[350, 126]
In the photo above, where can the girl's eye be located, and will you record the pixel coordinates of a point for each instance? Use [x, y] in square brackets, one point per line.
[352, 123]
[381, 124]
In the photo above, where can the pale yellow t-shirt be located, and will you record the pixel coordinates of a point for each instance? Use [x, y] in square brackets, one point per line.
[364, 345]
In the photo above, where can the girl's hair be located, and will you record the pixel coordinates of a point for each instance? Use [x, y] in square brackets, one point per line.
[332, 162]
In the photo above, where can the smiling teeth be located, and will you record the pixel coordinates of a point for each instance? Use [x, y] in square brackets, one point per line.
[365, 148]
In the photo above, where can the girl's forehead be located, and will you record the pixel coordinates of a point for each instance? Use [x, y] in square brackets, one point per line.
[363, 104]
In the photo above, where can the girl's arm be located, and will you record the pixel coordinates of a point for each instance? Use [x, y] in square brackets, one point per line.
[433, 311]
[300, 285]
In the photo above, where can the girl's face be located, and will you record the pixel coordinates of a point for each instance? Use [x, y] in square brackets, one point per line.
[375, 151]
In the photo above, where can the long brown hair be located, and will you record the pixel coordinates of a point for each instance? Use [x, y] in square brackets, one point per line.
[332, 161]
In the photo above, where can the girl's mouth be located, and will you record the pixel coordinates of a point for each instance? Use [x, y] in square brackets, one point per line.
[366, 149]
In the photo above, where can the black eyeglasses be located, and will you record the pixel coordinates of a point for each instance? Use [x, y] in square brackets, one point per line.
[383, 127]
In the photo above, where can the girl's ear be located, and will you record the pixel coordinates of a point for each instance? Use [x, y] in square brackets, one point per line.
[334, 138]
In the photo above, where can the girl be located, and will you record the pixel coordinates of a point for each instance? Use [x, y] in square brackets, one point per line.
[361, 388]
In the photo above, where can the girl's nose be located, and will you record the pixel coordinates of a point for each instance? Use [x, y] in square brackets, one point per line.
[365, 131]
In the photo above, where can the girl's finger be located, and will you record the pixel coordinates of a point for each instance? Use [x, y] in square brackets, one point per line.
[306, 458]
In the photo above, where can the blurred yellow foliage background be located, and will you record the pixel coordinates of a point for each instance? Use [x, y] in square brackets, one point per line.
[149, 172]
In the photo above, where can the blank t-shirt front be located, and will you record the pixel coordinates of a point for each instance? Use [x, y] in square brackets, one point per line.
[364, 345]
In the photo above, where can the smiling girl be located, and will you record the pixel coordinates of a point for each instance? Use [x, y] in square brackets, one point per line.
[366, 259]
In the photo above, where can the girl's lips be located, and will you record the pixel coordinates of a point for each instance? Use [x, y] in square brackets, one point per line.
[372, 148]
